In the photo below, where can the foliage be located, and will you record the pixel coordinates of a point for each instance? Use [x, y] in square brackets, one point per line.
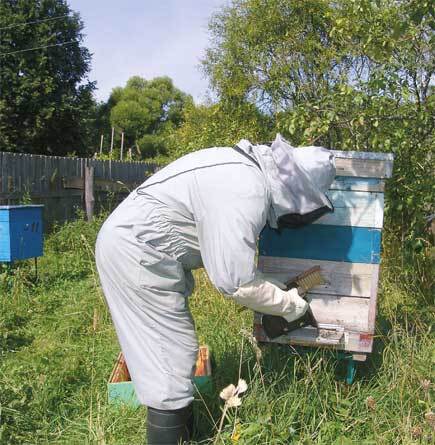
[216, 125]
[315, 46]
[46, 103]
[58, 346]
[146, 111]
[346, 74]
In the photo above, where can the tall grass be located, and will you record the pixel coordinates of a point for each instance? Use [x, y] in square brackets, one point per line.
[57, 348]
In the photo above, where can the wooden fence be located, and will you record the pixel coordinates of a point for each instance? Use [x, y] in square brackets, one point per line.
[59, 183]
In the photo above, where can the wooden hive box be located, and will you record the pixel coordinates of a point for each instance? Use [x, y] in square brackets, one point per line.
[120, 388]
[346, 245]
[21, 234]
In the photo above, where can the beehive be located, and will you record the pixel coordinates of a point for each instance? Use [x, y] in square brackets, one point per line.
[121, 390]
[21, 234]
[346, 245]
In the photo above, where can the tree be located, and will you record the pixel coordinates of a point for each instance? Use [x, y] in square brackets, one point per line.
[345, 74]
[278, 54]
[46, 103]
[147, 111]
[213, 124]
[274, 53]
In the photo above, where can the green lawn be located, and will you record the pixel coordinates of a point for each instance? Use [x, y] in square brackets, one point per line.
[57, 348]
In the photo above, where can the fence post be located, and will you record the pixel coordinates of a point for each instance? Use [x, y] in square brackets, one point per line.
[111, 142]
[89, 192]
[122, 144]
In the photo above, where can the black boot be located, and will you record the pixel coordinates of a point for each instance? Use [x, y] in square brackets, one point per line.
[169, 427]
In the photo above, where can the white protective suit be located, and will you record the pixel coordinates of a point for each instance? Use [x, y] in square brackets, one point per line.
[205, 209]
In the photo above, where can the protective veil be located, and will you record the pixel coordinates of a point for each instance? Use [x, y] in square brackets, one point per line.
[205, 209]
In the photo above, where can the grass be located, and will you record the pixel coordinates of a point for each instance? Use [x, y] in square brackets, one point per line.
[57, 348]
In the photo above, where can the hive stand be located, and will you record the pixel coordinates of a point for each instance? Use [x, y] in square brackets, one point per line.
[346, 245]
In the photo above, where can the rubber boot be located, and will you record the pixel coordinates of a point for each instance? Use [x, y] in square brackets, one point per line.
[169, 427]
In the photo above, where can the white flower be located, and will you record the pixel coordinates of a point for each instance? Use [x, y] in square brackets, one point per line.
[231, 393]
[242, 386]
[227, 392]
[234, 401]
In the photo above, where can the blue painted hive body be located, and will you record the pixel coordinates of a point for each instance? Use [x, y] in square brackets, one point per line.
[346, 245]
[21, 234]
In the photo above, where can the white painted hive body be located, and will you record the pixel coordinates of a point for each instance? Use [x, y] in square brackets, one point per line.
[347, 246]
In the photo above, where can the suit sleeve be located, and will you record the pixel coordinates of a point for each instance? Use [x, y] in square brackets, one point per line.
[229, 222]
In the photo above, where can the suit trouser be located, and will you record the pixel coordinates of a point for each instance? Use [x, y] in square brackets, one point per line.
[146, 291]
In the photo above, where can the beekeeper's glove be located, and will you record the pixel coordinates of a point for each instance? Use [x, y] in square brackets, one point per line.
[265, 297]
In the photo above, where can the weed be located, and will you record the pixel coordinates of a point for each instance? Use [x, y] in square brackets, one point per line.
[58, 346]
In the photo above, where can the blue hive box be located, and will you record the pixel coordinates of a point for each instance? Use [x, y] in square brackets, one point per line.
[21, 234]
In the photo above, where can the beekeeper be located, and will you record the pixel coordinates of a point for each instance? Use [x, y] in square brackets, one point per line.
[205, 209]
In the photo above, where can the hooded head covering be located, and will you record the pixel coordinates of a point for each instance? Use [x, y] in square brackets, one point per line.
[298, 178]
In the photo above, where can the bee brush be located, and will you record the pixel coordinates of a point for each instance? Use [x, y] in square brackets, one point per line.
[307, 280]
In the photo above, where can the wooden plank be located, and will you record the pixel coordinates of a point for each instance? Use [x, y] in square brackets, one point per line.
[122, 144]
[13, 184]
[15, 180]
[16, 173]
[26, 172]
[373, 300]
[89, 192]
[111, 142]
[363, 168]
[357, 209]
[54, 172]
[6, 173]
[370, 155]
[203, 362]
[98, 169]
[63, 166]
[359, 342]
[120, 371]
[358, 184]
[42, 195]
[44, 179]
[17, 195]
[74, 182]
[39, 174]
[351, 313]
[46, 174]
[306, 336]
[323, 242]
[76, 171]
[350, 341]
[350, 279]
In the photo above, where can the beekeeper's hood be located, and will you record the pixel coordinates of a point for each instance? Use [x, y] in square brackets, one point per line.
[298, 178]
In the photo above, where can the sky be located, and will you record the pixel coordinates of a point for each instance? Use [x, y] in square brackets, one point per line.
[148, 38]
